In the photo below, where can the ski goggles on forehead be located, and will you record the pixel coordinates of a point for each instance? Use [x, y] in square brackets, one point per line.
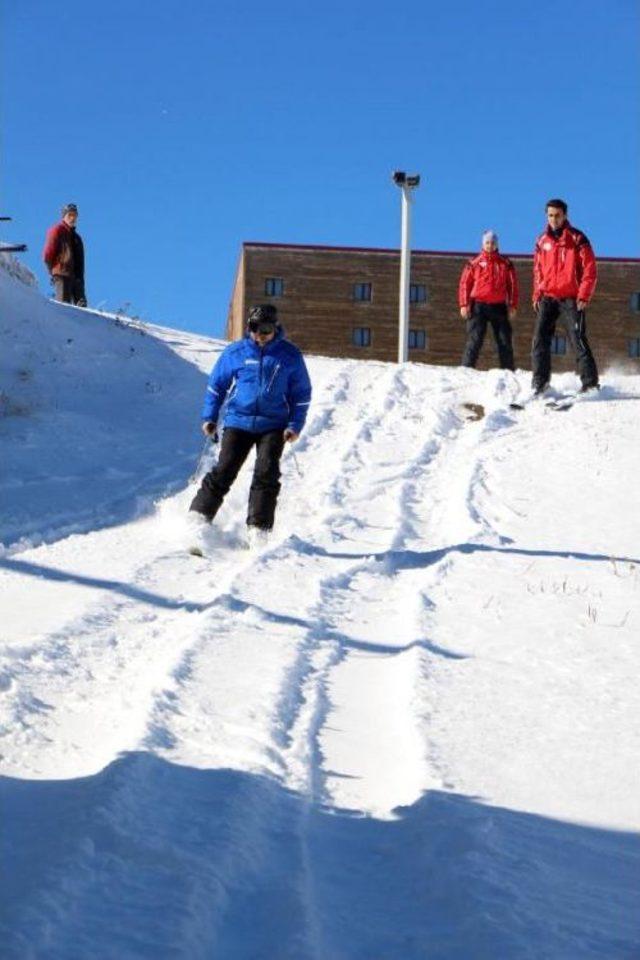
[261, 326]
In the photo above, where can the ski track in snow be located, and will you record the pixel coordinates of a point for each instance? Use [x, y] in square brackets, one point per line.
[261, 743]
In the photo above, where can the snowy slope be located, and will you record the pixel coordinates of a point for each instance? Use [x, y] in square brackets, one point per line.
[95, 417]
[407, 729]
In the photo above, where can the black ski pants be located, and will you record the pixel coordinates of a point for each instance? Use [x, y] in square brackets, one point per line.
[265, 486]
[573, 322]
[497, 314]
[69, 290]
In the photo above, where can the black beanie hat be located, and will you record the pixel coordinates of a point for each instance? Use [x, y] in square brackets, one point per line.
[263, 313]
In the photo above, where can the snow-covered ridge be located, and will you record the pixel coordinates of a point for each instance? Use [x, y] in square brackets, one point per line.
[15, 268]
[96, 417]
[406, 729]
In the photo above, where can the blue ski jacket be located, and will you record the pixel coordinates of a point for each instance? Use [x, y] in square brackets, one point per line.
[266, 388]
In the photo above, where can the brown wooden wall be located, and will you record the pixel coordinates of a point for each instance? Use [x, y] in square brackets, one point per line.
[319, 313]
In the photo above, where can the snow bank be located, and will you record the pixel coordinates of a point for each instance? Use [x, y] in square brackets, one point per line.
[15, 268]
[96, 418]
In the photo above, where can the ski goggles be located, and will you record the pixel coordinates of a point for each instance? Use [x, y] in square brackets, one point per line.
[262, 326]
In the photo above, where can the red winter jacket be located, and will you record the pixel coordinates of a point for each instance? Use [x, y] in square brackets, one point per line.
[489, 278]
[64, 251]
[564, 266]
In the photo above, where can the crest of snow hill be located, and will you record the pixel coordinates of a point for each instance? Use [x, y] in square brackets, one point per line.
[91, 410]
[15, 268]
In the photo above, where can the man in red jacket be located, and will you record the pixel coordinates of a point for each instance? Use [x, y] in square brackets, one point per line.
[488, 293]
[564, 278]
[64, 256]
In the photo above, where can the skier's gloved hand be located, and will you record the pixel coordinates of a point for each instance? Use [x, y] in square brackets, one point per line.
[209, 428]
[290, 436]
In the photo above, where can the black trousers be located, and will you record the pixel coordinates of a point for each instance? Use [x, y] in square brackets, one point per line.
[70, 290]
[573, 322]
[265, 486]
[497, 314]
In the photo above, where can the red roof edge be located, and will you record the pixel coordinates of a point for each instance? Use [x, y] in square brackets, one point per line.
[396, 251]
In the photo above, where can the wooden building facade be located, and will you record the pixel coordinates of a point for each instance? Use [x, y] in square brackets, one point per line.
[343, 302]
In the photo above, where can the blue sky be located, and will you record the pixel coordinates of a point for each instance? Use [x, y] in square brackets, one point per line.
[182, 129]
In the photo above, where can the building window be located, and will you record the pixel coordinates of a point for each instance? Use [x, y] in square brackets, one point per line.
[634, 303]
[361, 336]
[274, 287]
[417, 293]
[633, 348]
[559, 345]
[362, 291]
[417, 339]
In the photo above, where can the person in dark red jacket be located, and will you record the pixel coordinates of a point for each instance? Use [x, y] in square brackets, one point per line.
[64, 256]
[488, 293]
[564, 279]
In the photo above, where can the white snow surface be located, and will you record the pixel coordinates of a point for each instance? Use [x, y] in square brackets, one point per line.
[15, 268]
[96, 417]
[406, 729]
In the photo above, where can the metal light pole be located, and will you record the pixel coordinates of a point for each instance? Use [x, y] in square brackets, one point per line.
[407, 184]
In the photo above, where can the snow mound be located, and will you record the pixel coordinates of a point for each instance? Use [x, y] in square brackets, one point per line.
[96, 418]
[15, 268]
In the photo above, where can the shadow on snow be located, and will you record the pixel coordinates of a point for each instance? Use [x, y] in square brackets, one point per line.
[393, 560]
[150, 859]
[417, 559]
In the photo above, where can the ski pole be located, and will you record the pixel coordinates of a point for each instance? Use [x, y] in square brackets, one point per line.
[200, 461]
[297, 465]
[205, 449]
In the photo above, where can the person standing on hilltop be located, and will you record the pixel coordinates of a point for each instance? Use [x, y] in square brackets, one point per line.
[564, 279]
[488, 293]
[64, 256]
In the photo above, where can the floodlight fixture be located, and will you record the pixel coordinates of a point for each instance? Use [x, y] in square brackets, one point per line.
[402, 179]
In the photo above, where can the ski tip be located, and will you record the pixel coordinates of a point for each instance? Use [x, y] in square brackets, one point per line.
[560, 405]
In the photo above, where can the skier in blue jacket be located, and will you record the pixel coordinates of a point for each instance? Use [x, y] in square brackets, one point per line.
[264, 381]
